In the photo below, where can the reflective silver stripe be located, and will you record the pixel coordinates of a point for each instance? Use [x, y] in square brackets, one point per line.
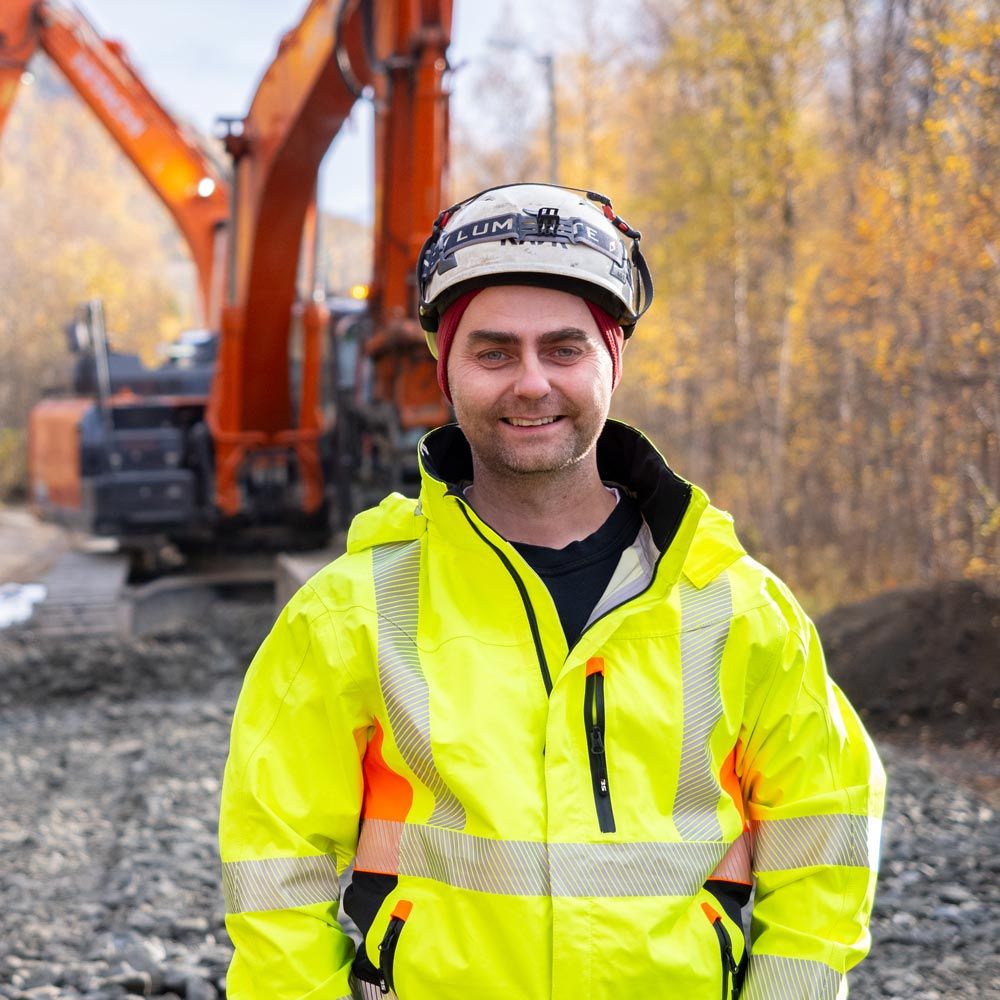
[396, 569]
[642, 869]
[772, 977]
[804, 841]
[361, 990]
[735, 866]
[502, 867]
[378, 846]
[530, 868]
[279, 883]
[705, 619]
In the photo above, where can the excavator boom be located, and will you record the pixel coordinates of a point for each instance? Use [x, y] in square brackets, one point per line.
[299, 107]
[412, 163]
[282, 430]
[183, 176]
[398, 47]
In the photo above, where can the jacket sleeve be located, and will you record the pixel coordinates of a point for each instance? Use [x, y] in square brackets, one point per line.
[814, 789]
[291, 798]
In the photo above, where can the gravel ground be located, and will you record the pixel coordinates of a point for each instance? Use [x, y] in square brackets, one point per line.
[111, 755]
[28, 547]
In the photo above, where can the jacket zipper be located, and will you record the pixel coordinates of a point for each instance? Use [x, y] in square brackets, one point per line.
[729, 966]
[536, 636]
[593, 717]
[387, 949]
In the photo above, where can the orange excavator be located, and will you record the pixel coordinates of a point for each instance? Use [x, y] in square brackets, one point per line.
[304, 406]
[263, 438]
[182, 175]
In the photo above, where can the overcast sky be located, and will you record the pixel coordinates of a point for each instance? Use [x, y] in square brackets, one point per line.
[204, 58]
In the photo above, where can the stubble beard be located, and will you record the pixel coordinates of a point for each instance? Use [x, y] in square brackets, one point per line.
[535, 459]
[503, 460]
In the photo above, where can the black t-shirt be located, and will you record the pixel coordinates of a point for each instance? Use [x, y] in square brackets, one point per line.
[578, 574]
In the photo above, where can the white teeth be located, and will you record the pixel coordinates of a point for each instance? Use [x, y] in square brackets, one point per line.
[517, 422]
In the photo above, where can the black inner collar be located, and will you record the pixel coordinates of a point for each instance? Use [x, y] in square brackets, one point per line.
[624, 457]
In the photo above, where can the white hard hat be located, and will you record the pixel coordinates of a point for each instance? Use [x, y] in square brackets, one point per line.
[534, 234]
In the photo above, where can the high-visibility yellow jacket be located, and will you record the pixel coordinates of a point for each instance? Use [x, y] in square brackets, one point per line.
[531, 821]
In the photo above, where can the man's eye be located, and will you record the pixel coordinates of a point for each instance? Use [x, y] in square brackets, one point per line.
[566, 353]
[492, 356]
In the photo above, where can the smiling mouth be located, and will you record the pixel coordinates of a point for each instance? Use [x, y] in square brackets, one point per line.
[525, 422]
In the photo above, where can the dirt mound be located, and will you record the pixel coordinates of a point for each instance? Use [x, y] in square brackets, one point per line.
[925, 661]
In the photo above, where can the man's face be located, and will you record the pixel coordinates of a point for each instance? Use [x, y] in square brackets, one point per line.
[531, 379]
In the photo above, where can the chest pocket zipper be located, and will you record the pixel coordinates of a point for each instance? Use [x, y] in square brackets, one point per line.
[729, 966]
[593, 716]
[387, 949]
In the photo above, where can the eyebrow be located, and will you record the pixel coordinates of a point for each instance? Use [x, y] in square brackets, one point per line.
[504, 338]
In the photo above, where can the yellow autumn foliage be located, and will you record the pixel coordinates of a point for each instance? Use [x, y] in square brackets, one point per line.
[815, 182]
[76, 222]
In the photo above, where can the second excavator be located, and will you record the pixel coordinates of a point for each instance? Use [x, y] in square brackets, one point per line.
[303, 405]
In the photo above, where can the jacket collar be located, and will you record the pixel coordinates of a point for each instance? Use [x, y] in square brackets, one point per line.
[625, 458]
[682, 533]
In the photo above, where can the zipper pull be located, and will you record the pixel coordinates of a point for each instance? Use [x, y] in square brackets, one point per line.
[392, 932]
[597, 752]
[387, 947]
[387, 943]
[733, 965]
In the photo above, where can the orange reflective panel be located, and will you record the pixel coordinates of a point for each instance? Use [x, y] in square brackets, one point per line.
[388, 795]
[731, 783]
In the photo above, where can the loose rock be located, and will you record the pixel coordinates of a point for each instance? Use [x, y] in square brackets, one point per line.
[109, 828]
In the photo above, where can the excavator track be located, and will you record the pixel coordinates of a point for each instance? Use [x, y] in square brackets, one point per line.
[84, 596]
[88, 594]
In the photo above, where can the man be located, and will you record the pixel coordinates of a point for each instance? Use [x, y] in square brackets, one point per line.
[558, 718]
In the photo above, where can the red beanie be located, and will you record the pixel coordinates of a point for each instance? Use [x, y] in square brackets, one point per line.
[614, 338]
[611, 331]
[450, 319]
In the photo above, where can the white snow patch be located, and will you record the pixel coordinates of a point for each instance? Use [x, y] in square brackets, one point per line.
[18, 600]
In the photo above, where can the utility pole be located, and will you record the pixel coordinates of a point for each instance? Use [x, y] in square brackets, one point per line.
[547, 61]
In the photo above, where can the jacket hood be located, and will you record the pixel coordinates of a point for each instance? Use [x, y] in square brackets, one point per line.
[625, 459]
[395, 519]
[714, 548]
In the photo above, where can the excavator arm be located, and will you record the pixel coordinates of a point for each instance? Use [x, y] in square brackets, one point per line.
[254, 454]
[182, 175]
[340, 47]
[18, 43]
[411, 156]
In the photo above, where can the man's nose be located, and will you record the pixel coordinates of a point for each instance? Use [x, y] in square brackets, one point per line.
[532, 382]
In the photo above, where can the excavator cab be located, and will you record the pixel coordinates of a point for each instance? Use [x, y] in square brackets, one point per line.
[372, 453]
[117, 458]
